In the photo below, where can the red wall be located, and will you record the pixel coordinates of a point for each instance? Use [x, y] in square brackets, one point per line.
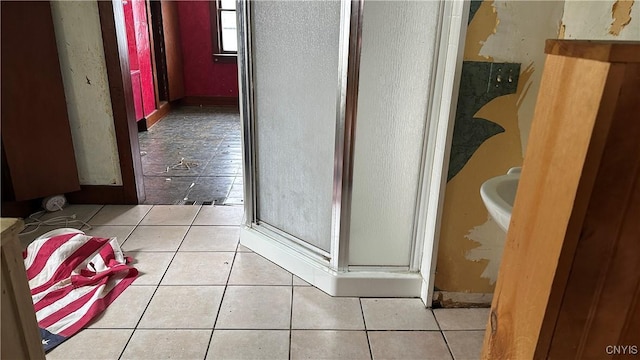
[203, 76]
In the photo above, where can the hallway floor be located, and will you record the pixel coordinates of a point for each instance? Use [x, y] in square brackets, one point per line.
[193, 155]
[201, 295]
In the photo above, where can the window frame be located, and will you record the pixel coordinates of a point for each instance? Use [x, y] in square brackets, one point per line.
[215, 10]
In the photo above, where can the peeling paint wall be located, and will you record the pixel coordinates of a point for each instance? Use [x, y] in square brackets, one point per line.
[84, 73]
[470, 244]
[602, 20]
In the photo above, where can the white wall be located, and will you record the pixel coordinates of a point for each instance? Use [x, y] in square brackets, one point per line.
[520, 36]
[84, 73]
[592, 20]
[398, 41]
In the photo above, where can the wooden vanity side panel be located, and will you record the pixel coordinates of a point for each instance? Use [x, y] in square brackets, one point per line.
[558, 175]
[19, 335]
[599, 294]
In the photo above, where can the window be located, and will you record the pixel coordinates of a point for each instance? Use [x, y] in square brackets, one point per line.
[225, 38]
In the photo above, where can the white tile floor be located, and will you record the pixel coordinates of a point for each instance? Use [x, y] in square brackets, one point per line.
[201, 295]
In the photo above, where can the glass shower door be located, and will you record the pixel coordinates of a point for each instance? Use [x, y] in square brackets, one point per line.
[295, 48]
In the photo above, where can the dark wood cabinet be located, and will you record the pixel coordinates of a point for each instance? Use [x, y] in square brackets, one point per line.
[37, 150]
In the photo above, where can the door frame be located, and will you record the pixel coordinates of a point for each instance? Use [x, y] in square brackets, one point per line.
[114, 39]
[437, 145]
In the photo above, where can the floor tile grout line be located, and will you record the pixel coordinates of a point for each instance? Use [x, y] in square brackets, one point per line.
[442, 334]
[127, 237]
[192, 221]
[264, 328]
[144, 216]
[269, 329]
[134, 226]
[364, 319]
[138, 322]
[291, 318]
[160, 282]
[259, 285]
[152, 295]
[446, 341]
[436, 319]
[94, 215]
[163, 225]
[366, 330]
[402, 330]
[224, 292]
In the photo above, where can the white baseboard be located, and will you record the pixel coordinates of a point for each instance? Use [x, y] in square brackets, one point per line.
[382, 283]
[424, 294]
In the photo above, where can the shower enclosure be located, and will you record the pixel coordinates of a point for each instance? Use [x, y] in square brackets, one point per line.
[338, 107]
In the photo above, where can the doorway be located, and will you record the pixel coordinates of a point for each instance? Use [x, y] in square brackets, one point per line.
[185, 102]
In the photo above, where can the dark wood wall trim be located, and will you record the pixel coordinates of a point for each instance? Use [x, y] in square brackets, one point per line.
[158, 114]
[226, 101]
[114, 39]
[98, 194]
[88, 194]
[20, 209]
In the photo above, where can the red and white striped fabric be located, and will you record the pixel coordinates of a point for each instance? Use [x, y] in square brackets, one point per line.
[73, 277]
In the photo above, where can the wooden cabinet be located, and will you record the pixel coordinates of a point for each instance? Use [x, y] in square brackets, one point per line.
[569, 282]
[20, 337]
[37, 150]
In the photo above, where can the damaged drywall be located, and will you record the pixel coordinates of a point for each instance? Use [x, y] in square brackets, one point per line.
[621, 14]
[491, 243]
[561, 30]
[523, 28]
[601, 20]
[483, 22]
[470, 247]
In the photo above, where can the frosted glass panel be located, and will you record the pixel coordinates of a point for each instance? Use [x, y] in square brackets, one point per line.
[295, 62]
[398, 40]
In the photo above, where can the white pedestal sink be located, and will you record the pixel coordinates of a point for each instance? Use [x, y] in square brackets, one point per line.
[498, 195]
